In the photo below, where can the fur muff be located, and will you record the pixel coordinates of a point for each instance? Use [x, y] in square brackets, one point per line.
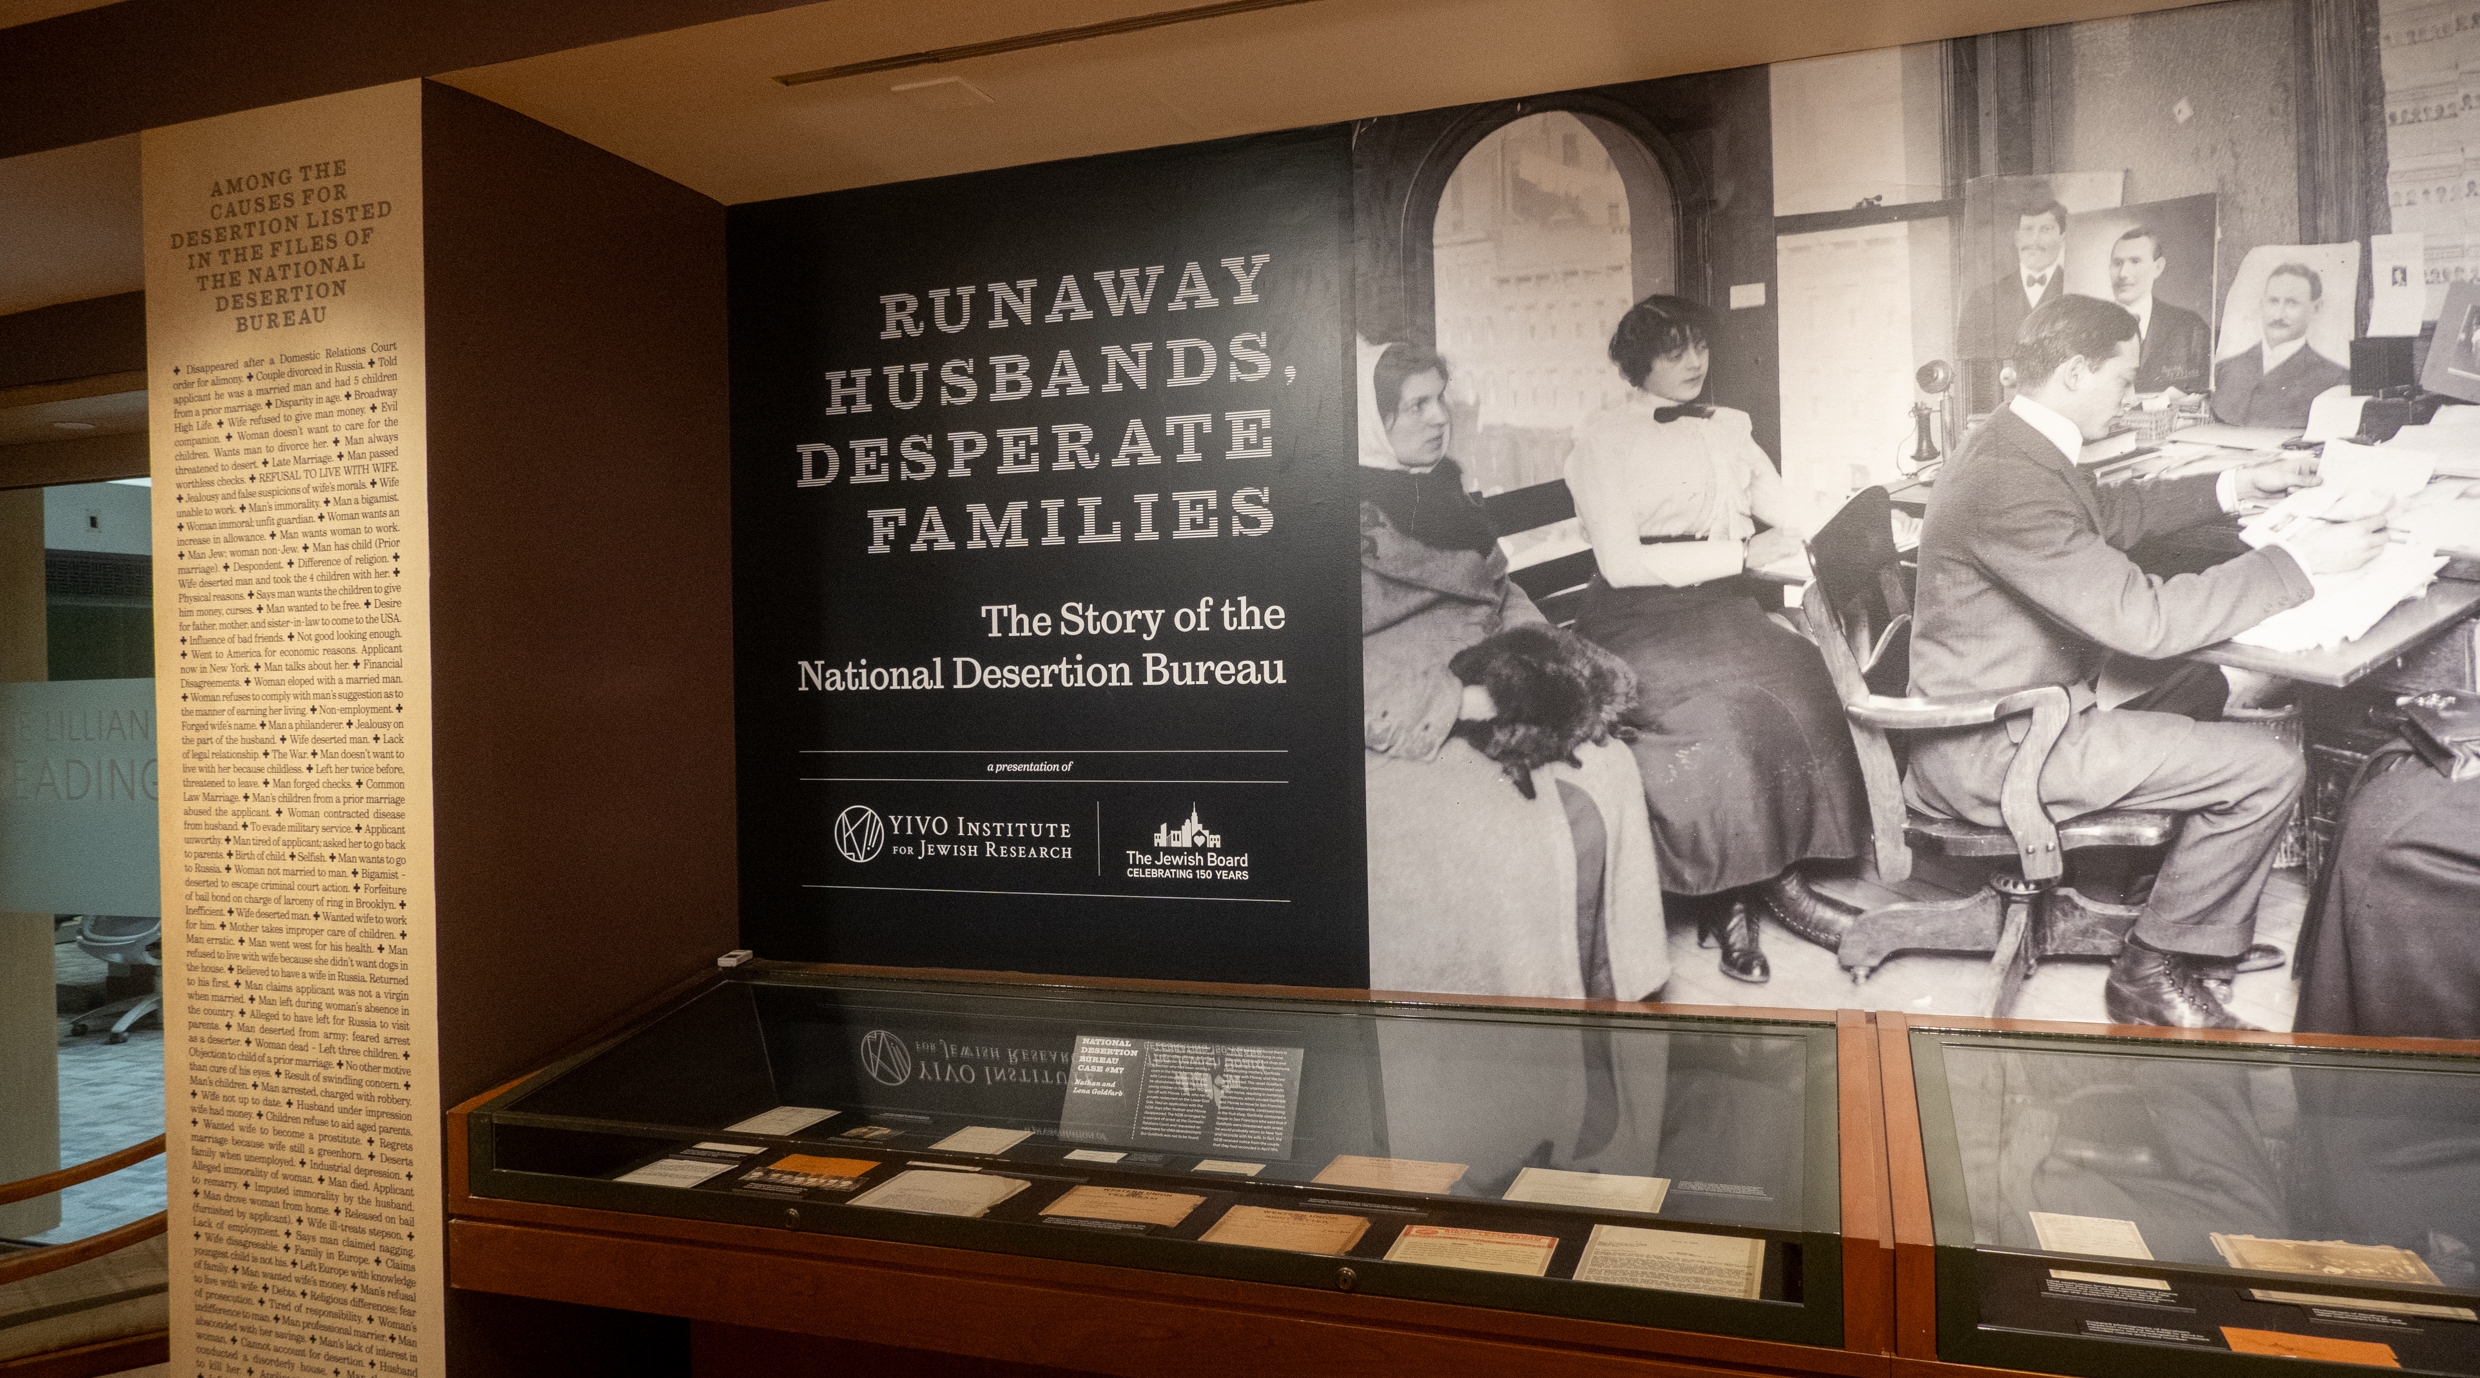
[1554, 691]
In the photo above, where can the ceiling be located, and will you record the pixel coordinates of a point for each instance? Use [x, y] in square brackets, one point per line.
[700, 104]
[69, 225]
[16, 12]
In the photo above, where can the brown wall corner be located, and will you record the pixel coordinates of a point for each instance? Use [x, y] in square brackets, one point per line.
[580, 588]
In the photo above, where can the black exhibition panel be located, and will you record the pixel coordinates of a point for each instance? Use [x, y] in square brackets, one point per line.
[2126, 1206]
[1479, 1155]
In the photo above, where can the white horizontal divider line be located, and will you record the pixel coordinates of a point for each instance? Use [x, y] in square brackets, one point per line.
[1048, 894]
[1009, 780]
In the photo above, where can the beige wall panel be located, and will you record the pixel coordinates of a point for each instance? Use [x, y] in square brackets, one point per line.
[285, 358]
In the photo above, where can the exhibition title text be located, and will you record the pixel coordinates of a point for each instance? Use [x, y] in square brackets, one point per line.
[1142, 422]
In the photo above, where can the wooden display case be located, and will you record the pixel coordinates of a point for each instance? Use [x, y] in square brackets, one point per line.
[536, 1209]
[2197, 1140]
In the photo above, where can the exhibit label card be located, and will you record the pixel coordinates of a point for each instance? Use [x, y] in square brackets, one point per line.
[285, 397]
[1487, 1251]
[1302, 1232]
[783, 1119]
[1717, 1265]
[1046, 545]
[2379, 1304]
[1185, 1097]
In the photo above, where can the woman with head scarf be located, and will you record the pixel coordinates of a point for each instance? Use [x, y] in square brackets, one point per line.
[1749, 770]
[1473, 886]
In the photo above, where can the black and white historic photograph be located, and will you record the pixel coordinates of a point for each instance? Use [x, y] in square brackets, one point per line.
[1841, 533]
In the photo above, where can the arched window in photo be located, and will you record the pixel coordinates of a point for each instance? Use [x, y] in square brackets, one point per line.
[1549, 229]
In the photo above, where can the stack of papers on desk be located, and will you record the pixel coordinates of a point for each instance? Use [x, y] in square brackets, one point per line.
[2392, 470]
[2451, 442]
[2346, 605]
[2235, 437]
[2446, 515]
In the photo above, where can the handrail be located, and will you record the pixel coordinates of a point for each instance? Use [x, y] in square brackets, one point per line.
[54, 1257]
[87, 1171]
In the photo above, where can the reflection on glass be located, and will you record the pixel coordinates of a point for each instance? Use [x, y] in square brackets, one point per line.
[80, 1029]
[1690, 1158]
[2188, 1147]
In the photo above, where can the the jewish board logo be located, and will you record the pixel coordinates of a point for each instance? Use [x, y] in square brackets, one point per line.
[859, 833]
[884, 1057]
[1189, 834]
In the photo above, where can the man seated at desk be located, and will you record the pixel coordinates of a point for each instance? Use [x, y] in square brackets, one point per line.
[2273, 384]
[2024, 580]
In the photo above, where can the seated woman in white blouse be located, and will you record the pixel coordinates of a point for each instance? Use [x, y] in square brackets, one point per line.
[1748, 768]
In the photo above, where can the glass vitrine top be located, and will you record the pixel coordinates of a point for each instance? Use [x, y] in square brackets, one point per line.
[2208, 1155]
[2120, 1206]
[1724, 1122]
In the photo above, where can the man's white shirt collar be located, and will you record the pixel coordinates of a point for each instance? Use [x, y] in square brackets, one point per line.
[2032, 294]
[2055, 429]
[2278, 355]
[2143, 312]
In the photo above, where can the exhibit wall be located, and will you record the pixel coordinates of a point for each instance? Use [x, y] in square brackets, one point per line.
[1056, 489]
[286, 353]
[371, 740]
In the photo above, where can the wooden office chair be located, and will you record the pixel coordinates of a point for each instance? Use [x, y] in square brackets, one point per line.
[1859, 613]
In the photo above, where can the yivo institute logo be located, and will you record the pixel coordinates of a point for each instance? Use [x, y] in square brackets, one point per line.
[884, 1057]
[859, 833]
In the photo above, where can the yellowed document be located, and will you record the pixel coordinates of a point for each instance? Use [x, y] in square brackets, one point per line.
[1487, 1251]
[2333, 1258]
[980, 1139]
[927, 1192]
[1225, 1165]
[1601, 1191]
[1164, 1208]
[1717, 1265]
[1390, 1174]
[2089, 1234]
[1302, 1232]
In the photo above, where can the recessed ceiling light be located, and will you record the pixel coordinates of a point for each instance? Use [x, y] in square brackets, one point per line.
[73, 425]
[945, 93]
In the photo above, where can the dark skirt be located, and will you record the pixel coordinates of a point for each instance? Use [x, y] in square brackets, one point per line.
[1748, 766]
[2395, 951]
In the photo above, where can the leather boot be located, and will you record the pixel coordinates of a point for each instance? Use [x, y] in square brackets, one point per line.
[1802, 910]
[2163, 989]
[1735, 930]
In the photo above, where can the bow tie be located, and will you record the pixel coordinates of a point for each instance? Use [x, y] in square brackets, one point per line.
[1669, 414]
[2036, 284]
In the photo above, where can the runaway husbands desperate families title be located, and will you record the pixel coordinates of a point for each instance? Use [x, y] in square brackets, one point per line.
[1007, 455]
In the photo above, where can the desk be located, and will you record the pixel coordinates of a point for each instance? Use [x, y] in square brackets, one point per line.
[2446, 601]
